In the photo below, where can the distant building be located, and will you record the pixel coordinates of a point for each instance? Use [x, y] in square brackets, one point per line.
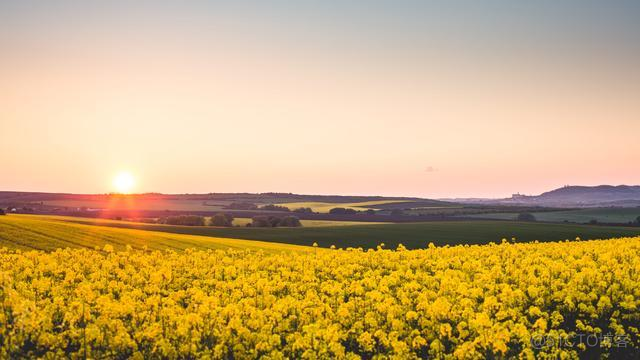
[518, 196]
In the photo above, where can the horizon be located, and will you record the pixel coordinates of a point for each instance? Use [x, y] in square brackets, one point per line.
[432, 100]
[312, 194]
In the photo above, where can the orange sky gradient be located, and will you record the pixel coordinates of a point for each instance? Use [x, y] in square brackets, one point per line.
[240, 102]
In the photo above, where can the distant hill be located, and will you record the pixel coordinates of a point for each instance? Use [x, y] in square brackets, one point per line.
[39, 202]
[579, 196]
[592, 194]
[21, 196]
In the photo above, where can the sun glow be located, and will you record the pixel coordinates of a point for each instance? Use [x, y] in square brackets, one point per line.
[124, 182]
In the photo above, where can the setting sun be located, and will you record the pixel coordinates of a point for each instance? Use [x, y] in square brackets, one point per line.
[124, 182]
[329, 179]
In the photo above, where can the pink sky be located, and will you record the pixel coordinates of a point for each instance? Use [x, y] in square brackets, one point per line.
[244, 109]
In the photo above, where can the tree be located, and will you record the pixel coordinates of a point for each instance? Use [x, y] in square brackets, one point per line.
[342, 211]
[273, 207]
[242, 206]
[221, 219]
[274, 221]
[638, 220]
[290, 221]
[370, 212]
[303, 210]
[229, 218]
[2, 212]
[261, 221]
[526, 217]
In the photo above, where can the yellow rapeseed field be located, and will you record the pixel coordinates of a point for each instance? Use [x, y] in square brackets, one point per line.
[447, 302]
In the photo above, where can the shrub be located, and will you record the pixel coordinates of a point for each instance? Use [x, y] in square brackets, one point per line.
[221, 219]
[526, 217]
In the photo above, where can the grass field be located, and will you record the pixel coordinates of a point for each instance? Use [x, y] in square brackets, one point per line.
[412, 235]
[324, 207]
[27, 232]
[603, 215]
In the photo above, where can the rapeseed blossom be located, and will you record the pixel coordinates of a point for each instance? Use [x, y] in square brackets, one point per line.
[443, 302]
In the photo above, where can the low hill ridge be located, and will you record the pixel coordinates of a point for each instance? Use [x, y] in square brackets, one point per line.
[575, 195]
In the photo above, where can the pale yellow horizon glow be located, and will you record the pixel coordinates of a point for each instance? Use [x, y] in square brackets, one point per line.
[233, 105]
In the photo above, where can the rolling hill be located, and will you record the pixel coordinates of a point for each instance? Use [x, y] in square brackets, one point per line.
[30, 232]
[572, 196]
[37, 202]
[412, 235]
[590, 194]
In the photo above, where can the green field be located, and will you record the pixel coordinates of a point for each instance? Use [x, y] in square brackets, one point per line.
[603, 215]
[310, 223]
[28, 232]
[412, 235]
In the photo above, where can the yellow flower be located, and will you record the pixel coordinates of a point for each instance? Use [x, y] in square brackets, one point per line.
[442, 302]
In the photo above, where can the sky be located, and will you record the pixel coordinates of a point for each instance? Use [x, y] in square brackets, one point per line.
[402, 98]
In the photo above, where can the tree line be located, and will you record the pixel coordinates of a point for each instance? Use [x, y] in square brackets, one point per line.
[226, 220]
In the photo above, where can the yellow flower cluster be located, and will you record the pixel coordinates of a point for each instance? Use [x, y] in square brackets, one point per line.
[442, 302]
